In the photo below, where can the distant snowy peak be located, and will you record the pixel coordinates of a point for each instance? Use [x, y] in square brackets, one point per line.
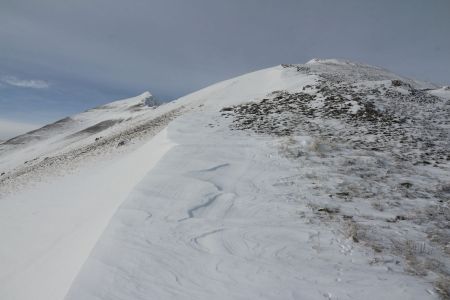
[144, 99]
[150, 100]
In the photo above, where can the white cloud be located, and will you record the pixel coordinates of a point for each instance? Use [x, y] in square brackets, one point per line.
[10, 129]
[25, 83]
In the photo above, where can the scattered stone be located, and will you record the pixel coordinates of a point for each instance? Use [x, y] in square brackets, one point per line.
[342, 194]
[406, 184]
[397, 82]
[329, 210]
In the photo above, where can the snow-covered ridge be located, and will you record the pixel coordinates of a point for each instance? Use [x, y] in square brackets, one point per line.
[443, 92]
[359, 71]
[341, 62]
[311, 181]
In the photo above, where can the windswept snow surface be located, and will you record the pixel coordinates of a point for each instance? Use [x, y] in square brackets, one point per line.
[218, 226]
[236, 197]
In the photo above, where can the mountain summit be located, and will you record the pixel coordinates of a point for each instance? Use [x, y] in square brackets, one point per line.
[324, 180]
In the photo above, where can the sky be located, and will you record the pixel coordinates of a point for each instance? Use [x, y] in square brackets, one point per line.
[60, 57]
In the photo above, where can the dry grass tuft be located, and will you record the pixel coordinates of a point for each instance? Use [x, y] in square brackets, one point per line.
[443, 287]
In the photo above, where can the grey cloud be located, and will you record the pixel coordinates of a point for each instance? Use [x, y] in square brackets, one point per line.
[24, 83]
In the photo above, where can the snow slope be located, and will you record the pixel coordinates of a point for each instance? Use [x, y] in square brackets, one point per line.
[293, 182]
